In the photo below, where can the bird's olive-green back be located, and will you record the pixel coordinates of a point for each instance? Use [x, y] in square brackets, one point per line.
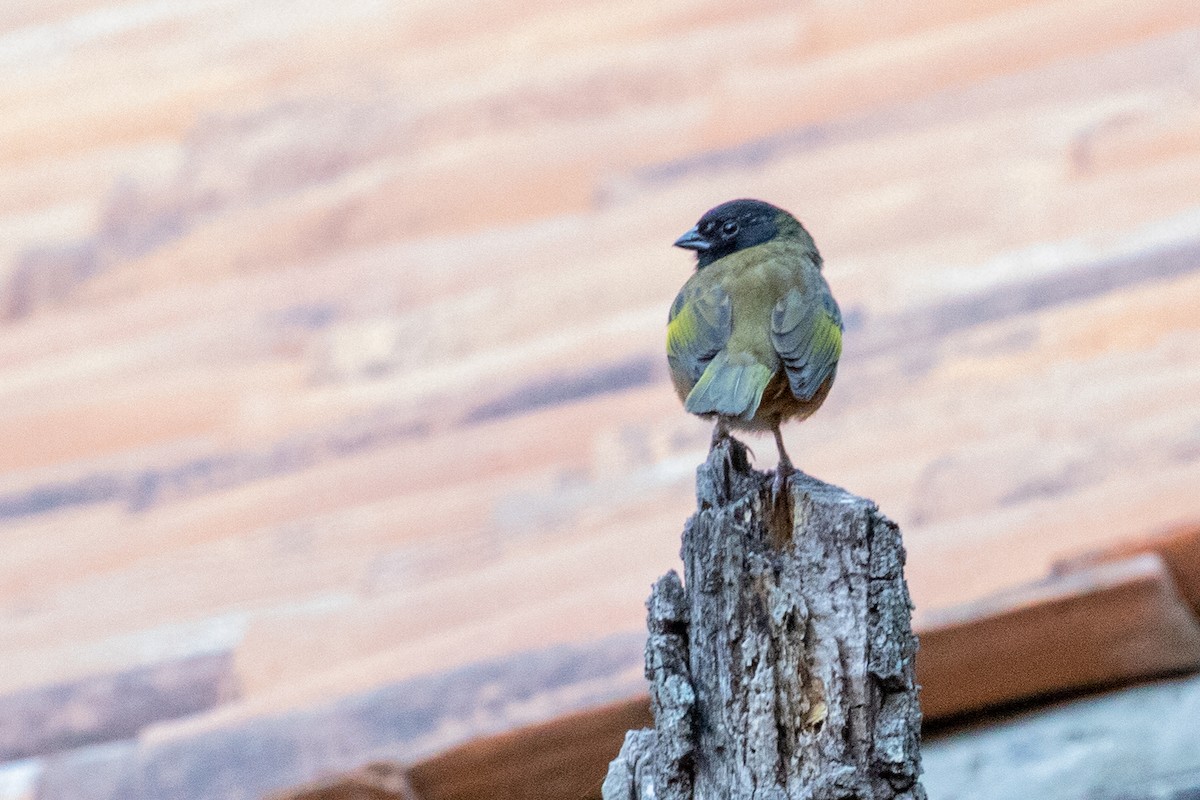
[743, 318]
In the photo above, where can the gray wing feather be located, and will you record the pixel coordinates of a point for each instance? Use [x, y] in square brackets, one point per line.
[807, 335]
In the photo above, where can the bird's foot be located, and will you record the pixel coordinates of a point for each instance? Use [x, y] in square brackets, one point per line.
[782, 474]
[785, 468]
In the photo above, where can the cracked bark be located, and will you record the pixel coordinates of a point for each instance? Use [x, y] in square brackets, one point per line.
[781, 668]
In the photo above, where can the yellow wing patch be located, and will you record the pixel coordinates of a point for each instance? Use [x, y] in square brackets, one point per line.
[681, 331]
[697, 328]
[827, 337]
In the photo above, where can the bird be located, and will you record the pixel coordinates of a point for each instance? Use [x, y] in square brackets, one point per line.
[754, 336]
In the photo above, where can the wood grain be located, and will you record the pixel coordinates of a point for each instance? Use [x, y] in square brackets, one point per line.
[313, 318]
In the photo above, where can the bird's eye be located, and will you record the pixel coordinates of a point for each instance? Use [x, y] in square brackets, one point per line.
[729, 228]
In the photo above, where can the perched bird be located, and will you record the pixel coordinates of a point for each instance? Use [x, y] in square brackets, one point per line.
[754, 336]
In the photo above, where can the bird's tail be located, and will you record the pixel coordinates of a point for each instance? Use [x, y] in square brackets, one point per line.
[730, 386]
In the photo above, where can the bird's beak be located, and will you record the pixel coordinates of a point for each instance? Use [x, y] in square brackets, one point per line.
[692, 240]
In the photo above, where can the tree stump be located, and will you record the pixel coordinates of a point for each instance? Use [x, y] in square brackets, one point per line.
[781, 667]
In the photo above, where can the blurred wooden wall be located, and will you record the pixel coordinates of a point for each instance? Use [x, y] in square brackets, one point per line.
[321, 322]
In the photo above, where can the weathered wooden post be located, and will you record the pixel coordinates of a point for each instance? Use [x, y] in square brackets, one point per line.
[781, 668]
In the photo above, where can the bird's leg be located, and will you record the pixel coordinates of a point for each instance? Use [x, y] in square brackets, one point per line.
[785, 468]
[720, 433]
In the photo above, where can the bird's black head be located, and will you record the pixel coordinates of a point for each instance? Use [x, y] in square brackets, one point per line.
[733, 226]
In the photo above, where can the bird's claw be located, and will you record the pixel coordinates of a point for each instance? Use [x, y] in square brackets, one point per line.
[780, 484]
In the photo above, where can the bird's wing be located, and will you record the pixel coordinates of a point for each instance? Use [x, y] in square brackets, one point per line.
[698, 327]
[807, 334]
